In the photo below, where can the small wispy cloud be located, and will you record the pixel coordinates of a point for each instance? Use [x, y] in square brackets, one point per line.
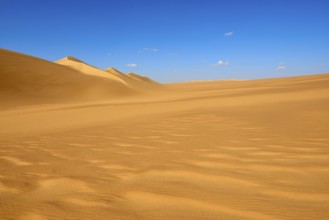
[281, 66]
[132, 65]
[150, 49]
[221, 63]
[229, 34]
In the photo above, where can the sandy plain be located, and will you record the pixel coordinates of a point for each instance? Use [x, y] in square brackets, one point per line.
[201, 150]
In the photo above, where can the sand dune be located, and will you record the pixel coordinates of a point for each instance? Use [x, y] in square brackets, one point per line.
[27, 79]
[130, 80]
[203, 150]
[88, 69]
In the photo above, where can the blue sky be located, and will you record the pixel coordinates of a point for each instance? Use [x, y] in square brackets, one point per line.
[175, 40]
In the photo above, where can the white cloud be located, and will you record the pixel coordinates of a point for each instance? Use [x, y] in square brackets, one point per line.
[151, 49]
[221, 63]
[229, 34]
[132, 65]
[281, 66]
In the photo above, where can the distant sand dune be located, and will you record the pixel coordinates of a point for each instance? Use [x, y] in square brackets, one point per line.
[27, 79]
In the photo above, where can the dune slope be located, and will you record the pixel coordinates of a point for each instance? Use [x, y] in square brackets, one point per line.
[210, 150]
[32, 79]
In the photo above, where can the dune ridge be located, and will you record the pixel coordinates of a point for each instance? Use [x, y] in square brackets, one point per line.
[134, 80]
[87, 69]
[144, 79]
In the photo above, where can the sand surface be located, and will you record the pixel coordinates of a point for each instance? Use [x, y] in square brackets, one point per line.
[206, 150]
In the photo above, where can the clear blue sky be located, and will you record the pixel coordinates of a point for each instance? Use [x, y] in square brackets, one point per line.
[175, 40]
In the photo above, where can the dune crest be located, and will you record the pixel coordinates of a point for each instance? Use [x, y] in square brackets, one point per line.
[141, 78]
[72, 59]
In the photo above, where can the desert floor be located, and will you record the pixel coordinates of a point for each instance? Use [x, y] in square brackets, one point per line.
[202, 150]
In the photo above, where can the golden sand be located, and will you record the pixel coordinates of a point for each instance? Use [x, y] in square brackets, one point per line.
[203, 150]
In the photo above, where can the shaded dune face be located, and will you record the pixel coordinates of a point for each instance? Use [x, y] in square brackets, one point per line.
[209, 150]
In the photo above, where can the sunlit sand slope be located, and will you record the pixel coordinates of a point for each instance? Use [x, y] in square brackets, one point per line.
[213, 150]
[88, 69]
